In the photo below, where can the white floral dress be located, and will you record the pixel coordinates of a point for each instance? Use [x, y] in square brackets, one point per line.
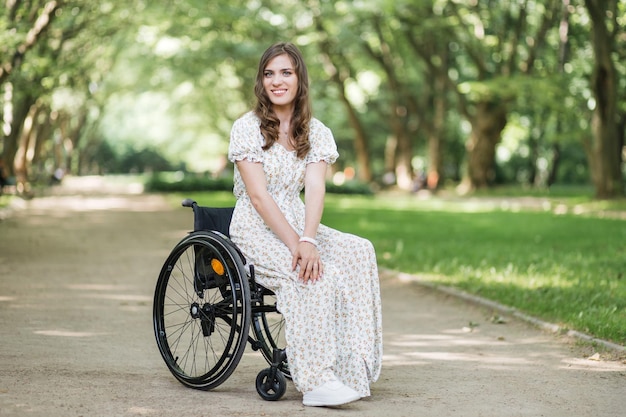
[333, 326]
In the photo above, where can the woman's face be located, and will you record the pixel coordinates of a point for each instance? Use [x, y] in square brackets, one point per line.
[280, 81]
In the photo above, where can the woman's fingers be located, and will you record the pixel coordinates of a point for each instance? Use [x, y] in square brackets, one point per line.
[311, 267]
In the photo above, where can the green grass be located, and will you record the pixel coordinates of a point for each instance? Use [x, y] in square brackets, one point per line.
[565, 268]
[4, 200]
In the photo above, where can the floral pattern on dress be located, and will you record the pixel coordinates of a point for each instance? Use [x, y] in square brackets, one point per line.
[332, 326]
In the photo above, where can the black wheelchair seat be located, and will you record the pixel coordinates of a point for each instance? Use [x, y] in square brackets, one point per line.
[210, 218]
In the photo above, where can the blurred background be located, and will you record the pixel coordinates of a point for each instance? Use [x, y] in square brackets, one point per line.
[420, 94]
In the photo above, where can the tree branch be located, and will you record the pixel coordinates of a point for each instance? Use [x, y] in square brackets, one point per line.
[549, 19]
[475, 55]
[39, 27]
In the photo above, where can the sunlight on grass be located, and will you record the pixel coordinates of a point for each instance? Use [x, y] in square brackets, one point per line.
[5, 200]
[209, 198]
[550, 263]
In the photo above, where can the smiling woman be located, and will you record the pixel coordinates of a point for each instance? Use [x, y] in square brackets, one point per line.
[281, 85]
[325, 281]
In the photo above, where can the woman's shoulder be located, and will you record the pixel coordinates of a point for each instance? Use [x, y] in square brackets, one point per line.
[246, 140]
[317, 129]
[323, 147]
[248, 119]
[316, 124]
[245, 131]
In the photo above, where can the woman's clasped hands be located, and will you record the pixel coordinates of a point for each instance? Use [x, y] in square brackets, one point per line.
[307, 257]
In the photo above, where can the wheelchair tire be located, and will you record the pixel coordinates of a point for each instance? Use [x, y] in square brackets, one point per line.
[271, 384]
[201, 311]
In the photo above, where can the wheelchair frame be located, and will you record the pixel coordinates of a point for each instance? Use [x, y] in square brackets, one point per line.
[206, 301]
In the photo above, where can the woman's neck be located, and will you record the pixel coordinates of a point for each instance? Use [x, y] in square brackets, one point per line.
[283, 113]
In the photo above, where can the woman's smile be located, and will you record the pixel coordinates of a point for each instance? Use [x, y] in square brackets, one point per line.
[280, 81]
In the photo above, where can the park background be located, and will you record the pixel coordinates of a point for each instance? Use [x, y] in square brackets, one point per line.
[481, 142]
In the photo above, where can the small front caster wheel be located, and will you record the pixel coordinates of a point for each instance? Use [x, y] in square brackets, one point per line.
[271, 384]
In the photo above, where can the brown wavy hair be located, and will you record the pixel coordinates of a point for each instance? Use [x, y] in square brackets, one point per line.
[299, 125]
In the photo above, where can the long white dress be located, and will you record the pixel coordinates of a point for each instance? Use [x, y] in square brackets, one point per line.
[333, 326]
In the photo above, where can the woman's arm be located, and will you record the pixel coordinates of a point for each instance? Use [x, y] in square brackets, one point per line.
[311, 266]
[256, 186]
[304, 254]
[314, 194]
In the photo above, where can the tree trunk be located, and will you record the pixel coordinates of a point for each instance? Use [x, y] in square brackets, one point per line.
[337, 75]
[363, 172]
[554, 166]
[9, 137]
[605, 153]
[533, 147]
[399, 110]
[487, 125]
[404, 150]
[436, 134]
[391, 147]
[72, 147]
[18, 109]
[44, 133]
[21, 162]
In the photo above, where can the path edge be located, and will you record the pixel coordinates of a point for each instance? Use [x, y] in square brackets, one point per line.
[501, 308]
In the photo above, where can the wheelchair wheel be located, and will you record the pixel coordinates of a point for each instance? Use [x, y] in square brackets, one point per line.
[201, 312]
[268, 325]
[271, 385]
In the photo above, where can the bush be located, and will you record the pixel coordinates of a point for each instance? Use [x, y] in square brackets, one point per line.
[186, 182]
[349, 187]
[178, 181]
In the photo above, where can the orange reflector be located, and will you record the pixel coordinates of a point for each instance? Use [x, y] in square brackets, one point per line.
[217, 267]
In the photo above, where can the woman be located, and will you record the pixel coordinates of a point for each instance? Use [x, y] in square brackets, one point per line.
[325, 281]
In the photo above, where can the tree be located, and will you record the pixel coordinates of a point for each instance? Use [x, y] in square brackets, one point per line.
[399, 81]
[56, 53]
[604, 149]
[493, 36]
[24, 26]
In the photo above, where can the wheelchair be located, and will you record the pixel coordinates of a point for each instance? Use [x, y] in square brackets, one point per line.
[207, 307]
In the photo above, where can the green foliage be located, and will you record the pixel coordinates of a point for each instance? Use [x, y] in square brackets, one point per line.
[130, 160]
[204, 198]
[181, 182]
[189, 182]
[172, 76]
[517, 169]
[5, 200]
[349, 187]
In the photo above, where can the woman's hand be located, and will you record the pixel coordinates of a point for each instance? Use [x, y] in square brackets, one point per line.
[307, 256]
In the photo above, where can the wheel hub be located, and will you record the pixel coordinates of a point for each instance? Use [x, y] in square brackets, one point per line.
[206, 315]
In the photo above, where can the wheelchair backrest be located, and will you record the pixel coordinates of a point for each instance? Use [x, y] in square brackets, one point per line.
[212, 218]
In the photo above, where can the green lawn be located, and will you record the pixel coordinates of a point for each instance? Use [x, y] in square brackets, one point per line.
[5, 200]
[566, 268]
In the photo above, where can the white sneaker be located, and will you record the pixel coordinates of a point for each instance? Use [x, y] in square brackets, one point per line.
[331, 393]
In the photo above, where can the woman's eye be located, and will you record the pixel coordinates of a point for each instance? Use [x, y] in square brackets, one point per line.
[267, 74]
[286, 73]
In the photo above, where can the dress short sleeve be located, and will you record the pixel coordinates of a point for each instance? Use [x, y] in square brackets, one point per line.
[323, 146]
[246, 140]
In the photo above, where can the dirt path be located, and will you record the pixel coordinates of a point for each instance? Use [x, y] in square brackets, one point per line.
[76, 282]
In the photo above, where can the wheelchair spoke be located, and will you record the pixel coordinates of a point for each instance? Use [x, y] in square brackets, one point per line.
[202, 311]
[268, 326]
